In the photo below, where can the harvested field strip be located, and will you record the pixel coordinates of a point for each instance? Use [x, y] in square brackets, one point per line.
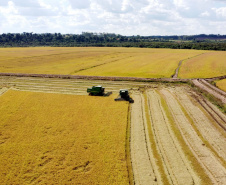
[58, 89]
[200, 177]
[67, 86]
[211, 136]
[62, 139]
[75, 86]
[176, 165]
[143, 169]
[204, 155]
[160, 171]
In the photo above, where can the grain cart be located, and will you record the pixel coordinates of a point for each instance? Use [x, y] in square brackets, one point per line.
[124, 96]
[96, 90]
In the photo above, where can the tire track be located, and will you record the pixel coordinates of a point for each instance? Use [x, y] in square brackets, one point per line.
[143, 169]
[176, 165]
[212, 165]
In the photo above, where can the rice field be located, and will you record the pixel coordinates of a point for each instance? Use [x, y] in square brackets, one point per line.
[221, 84]
[62, 139]
[169, 135]
[123, 62]
[207, 65]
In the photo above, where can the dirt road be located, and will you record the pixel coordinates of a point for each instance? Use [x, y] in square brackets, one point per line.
[202, 84]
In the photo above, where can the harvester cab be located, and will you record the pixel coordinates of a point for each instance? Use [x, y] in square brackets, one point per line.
[96, 90]
[124, 96]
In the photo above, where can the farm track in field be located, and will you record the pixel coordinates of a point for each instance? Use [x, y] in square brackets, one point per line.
[219, 94]
[177, 136]
[177, 70]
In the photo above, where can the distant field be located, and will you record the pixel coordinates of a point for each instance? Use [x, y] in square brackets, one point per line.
[222, 84]
[210, 64]
[62, 139]
[130, 62]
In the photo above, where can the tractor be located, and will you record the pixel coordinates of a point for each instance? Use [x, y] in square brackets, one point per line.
[124, 96]
[96, 91]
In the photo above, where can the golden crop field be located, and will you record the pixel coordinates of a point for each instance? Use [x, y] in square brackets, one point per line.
[210, 64]
[221, 84]
[129, 62]
[62, 139]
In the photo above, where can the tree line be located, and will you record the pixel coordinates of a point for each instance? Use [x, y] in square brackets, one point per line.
[86, 39]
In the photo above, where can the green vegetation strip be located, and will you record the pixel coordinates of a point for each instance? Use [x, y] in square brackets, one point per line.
[195, 164]
[88, 39]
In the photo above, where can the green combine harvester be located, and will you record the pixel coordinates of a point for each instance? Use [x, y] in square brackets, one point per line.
[124, 96]
[96, 91]
[99, 91]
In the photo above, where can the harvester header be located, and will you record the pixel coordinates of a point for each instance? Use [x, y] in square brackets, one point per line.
[124, 96]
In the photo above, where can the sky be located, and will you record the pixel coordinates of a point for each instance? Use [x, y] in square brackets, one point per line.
[125, 17]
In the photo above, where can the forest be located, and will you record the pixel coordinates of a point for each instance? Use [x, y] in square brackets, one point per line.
[86, 39]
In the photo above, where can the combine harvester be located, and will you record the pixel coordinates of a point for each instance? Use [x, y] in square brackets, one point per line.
[124, 96]
[97, 91]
